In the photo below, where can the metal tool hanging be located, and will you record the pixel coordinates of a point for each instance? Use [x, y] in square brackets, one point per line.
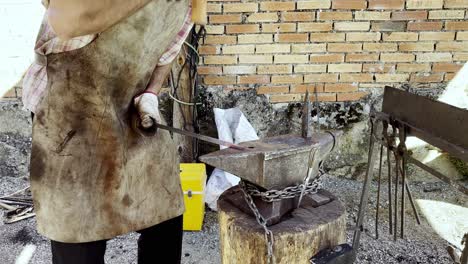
[403, 114]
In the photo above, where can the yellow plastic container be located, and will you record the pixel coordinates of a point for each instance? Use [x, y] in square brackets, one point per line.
[193, 179]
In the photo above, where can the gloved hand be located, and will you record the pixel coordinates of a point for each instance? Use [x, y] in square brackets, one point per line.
[147, 106]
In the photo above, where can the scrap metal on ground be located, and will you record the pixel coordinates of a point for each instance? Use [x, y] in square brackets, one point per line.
[18, 206]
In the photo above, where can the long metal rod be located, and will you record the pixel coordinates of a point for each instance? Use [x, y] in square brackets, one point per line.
[410, 198]
[201, 137]
[390, 205]
[437, 174]
[379, 180]
[402, 150]
[395, 216]
[365, 189]
[403, 178]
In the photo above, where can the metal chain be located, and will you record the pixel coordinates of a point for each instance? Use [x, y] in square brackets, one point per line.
[261, 220]
[250, 190]
[287, 193]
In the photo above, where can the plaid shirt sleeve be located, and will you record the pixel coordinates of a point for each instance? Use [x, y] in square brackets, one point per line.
[174, 48]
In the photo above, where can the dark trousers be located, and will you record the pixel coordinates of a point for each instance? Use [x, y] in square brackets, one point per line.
[161, 243]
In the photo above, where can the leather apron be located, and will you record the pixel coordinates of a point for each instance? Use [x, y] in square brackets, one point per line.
[93, 176]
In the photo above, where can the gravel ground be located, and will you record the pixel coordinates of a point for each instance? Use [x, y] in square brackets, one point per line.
[421, 244]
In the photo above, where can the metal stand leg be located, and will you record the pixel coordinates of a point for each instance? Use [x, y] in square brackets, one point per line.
[365, 190]
[390, 205]
[395, 217]
[378, 194]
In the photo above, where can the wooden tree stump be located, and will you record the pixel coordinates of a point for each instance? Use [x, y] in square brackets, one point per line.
[301, 235]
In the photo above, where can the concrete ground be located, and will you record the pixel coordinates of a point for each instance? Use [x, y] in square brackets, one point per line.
[421, 245]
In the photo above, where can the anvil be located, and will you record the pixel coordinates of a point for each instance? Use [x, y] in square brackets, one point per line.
[275, 162]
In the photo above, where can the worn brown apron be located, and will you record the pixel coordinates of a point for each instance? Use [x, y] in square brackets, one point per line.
[93, 176]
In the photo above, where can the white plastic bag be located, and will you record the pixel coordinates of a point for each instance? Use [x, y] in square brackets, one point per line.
[232, 127]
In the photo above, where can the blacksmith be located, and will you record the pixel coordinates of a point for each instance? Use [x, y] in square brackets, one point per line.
[99, 65]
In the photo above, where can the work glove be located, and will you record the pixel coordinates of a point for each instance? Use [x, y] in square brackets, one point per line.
[147, 106]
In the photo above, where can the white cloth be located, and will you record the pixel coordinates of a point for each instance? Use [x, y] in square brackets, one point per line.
[232, 127]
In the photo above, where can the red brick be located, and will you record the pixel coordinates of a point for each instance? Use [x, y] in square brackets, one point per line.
[452, 46]
[256, 59]
[225, 19]
[298, 16]
[344, 47]
[340, 87]
[386, 4]
[208, 50]
[254, 79]
[416, 46]
[248, 28]
[356, 77]
[237, 69]
[424, 4]
[214, 29]
[378, 68]
[345, 67]
[334, 16]
[427, 78]
[273, 48]
[285, 79]
[240, 7]
[341, 97]
[302, 88]
[400, 36]
[326, 58]
[446, 67]
[449, 77]
[352, 26]
[314, 27]
[214, 8]
[389, 26]
[409, 15]
[436, 36]
[456, 4]
[323, 97]
[279, 27]
[273, 89]
[284, 98]
[291, 58]
[349, 4]
[447, 14]
[397, 57]
[220, 59]
[309, 48]
[321, 78]
[413, 67]
[365, 36]
[219, 80]
[460, 25]
[262, 17]
[277, 6]
[362, 57]
[380, 47]
[304, 68]
[314, 4]
[424, 26]
[204, 70]
[391, 78]
[274, 69]
[327, 37]
[294, 38]
[239, 49]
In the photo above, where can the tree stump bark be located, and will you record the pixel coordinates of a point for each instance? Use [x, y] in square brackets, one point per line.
[301, 235]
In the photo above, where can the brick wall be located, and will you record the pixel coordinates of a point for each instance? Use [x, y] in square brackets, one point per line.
[342, 48]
